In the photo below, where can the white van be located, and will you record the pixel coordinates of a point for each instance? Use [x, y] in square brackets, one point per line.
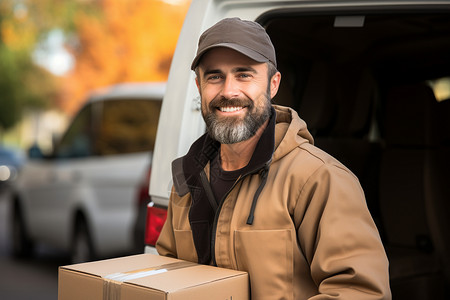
[372, 81]
[83, 198]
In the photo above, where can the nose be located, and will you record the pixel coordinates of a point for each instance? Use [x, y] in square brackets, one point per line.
[230, 88]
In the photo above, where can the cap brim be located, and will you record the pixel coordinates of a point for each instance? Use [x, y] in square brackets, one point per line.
[241, 49]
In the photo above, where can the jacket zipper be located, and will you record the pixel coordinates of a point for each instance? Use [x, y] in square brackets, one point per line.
[208, 190]
[216, 216]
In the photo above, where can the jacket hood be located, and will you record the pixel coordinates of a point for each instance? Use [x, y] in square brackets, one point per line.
[290, 131]
[285, 132]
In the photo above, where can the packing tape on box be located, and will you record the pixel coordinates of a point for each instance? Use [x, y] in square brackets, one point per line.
[112, 282]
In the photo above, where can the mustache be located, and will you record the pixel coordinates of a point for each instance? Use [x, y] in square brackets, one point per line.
[224, 102]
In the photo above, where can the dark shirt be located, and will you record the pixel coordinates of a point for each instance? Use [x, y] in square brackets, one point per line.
[221, 181]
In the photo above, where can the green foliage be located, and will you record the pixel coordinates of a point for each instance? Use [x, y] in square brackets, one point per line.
[22, 83]
[111, 40]
[10, 99]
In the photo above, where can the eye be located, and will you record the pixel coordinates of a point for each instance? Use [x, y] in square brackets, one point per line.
[244, 75]
[214, 77]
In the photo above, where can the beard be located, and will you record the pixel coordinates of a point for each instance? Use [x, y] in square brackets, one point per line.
[231, 130]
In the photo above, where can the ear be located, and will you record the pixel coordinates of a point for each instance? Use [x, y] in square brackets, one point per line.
[275, 84]
[197, 83]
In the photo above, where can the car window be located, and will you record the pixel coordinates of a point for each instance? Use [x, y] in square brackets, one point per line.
[127, 126]
[111, 127]
[441, 88]
[77, 141]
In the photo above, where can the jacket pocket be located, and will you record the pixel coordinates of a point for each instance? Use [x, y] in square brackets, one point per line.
[267, 255]
[180, 214]
[182, 230]
[185, 245]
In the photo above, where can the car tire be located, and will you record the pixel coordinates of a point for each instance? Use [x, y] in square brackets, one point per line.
[82, 249]
[22, 246]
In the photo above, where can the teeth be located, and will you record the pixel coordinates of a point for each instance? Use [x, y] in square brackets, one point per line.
[230, 109]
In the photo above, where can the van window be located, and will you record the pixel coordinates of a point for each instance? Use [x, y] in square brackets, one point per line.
[111, 127]
[127, 126]
[441, 88]
[77, 141]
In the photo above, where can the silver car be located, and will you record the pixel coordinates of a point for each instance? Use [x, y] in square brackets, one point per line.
[82, 198]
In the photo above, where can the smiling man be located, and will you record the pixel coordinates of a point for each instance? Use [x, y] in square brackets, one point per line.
[235, 102]
[255, 194]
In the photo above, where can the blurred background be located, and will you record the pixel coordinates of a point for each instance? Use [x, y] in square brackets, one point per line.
[53, 53]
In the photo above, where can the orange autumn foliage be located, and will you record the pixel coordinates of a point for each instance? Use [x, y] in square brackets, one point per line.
[130, 41]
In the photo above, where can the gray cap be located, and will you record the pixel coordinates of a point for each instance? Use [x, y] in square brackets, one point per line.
[246, 37]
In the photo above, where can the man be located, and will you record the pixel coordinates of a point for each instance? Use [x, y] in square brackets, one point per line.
[254, 194]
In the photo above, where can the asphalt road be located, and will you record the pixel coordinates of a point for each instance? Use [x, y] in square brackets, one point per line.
[34, 278]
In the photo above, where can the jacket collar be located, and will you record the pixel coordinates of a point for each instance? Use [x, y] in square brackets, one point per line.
[186, 176]
[205, 149]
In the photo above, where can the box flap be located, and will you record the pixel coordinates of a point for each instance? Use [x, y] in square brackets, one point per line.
[123, 264]
[183, 278]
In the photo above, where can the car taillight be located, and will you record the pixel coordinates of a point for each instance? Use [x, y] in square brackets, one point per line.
[143, 196]
[155, 220]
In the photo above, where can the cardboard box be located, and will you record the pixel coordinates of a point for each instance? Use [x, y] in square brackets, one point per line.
[150, 277]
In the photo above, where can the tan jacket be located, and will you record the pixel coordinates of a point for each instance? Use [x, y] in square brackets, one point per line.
[311, 237]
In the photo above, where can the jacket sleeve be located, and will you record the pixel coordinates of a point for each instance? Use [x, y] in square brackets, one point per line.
[165, 244]
[339, 238]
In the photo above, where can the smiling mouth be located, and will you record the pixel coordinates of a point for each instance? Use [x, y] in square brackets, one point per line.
[231, 109]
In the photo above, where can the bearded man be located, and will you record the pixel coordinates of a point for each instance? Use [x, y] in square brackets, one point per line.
[254, 193]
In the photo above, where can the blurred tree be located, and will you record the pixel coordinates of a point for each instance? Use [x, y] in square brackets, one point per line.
[112, 41]
[22, 83]
[130, 40]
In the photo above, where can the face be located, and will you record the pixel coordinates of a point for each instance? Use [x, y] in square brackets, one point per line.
[236, 94]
